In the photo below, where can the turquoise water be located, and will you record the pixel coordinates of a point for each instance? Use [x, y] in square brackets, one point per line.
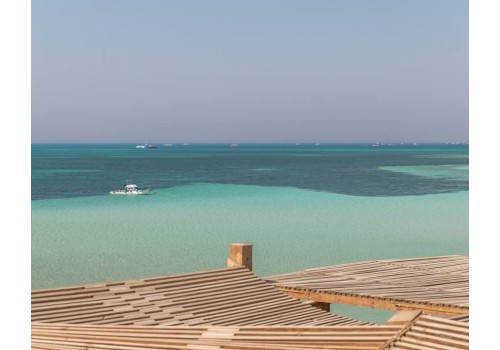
[80, 240]
[189, 225]
[450, 172]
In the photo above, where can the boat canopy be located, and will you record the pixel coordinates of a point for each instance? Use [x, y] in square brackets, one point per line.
[130, 186]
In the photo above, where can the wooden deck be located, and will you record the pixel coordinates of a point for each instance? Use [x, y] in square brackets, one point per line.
[435, 285]
[224, 297]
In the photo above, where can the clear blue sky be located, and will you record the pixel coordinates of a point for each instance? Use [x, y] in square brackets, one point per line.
[250, 71]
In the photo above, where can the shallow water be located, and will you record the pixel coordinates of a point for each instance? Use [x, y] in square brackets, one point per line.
[188, 225]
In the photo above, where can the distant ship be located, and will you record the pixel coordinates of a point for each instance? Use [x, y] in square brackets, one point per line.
[146, 146]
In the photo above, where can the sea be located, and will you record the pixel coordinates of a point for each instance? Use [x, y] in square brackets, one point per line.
[300, 206]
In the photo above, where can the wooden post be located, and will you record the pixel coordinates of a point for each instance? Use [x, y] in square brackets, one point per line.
[240, 254]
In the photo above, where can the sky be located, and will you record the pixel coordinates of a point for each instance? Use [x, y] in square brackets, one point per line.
[249, 71]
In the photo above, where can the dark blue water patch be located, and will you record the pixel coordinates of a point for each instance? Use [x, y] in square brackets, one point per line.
[95, 169]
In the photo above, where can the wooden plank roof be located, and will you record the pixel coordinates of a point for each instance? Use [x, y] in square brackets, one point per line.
[78, 337]
[431, 333]
[422, 333]
[225, 297]
[436, 285]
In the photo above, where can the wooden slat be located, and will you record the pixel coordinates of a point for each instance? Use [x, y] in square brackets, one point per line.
[436, 285]
[421, 333]
[231, 296]
[133, 337]
[427, 332]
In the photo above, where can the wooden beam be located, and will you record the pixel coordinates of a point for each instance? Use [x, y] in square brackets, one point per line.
[403, 317]
[374, 302]
[240, 254]
[392, 340]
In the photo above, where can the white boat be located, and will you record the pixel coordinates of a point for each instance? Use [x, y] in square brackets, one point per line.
[131, 189]
[146, 145]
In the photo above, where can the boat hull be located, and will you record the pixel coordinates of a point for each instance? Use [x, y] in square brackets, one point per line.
[131, 193]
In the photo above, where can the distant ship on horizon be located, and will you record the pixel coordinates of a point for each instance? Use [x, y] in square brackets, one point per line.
[146, 145]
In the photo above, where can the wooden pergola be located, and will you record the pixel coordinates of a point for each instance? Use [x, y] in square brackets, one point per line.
[229, 296]
[435, 285]
[417, 332]
[233, 309]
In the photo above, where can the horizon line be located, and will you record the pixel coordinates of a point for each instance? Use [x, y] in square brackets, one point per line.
[258, 143]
